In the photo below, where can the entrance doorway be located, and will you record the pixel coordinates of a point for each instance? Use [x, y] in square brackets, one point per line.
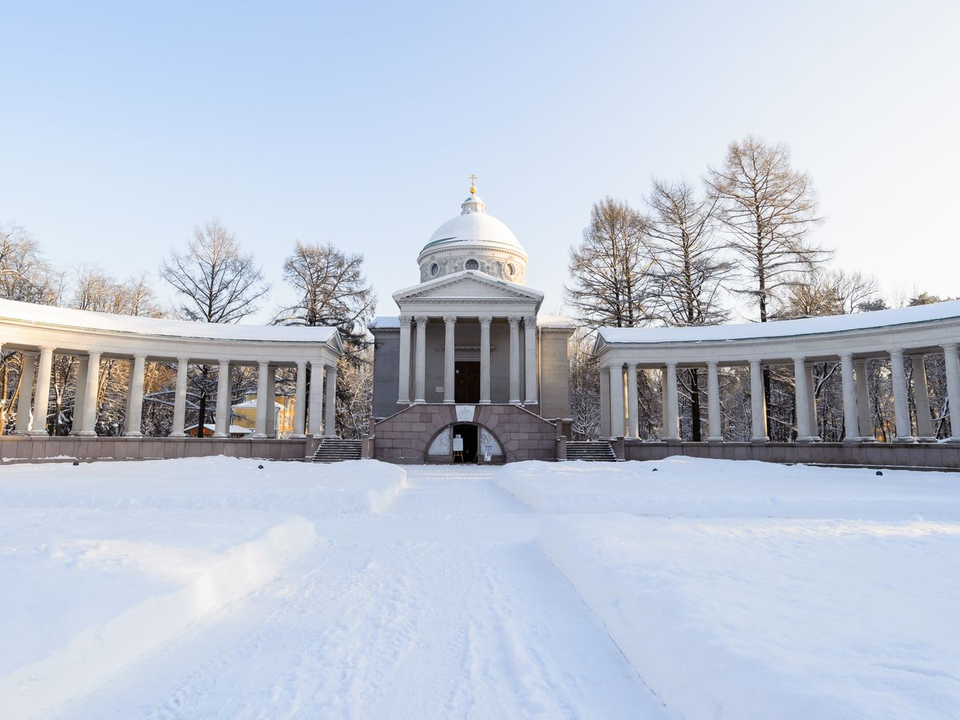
[468, 434]
[466, 387]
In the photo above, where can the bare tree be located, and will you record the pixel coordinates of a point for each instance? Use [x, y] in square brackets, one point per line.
[215, 283]
[855, 291]
[687, 270]
[768, 210]
[610, 281]
[584, 386]
[332, 291]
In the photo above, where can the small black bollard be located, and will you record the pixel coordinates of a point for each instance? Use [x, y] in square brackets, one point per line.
[879, 473]
[259, 467]
[76, 462]
[654, 469]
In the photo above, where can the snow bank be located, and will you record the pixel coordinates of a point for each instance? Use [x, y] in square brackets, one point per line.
[198, 483]
[105, 647]
[695, 487]
[775, 619]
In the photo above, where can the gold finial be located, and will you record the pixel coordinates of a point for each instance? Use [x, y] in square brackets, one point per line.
[473, 184]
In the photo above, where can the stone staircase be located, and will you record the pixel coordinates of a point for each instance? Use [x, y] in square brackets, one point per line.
[333, 450]
[591, 450]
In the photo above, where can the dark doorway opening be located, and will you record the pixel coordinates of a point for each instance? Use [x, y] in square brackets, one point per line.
[468, 434]
[466, 387]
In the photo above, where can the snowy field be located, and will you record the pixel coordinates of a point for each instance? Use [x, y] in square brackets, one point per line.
[211, 588]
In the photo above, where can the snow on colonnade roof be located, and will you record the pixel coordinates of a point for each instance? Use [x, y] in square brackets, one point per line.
[47, 315]
[784, 328]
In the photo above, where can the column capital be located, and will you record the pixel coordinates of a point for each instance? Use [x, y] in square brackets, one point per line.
[896, 353]
[846, 356]
[799, 358]
[514, 320]
[223, 362]
[405, 321]
[450, 319]
[949, 346]
[47, 348]
[530, 321]
[632, 365]
[263, 364]
[30, 353]
[671, 364]
[485, 319]
[712, 363]
[140, 356]
[183, 360]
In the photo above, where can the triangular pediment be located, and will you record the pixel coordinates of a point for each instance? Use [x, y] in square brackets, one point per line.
[468, 285]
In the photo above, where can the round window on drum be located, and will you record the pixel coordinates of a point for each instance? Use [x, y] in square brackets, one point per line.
[434, 269]
[472, 265]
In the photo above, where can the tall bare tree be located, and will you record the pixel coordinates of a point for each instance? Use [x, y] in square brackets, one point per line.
[688, 268]
[215, 282]
[610, 283]
[768, 210]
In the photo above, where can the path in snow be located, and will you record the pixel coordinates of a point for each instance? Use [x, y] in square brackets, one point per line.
[443, 607]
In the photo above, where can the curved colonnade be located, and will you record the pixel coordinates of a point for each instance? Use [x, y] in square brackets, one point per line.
[39, 332]
[900, 336]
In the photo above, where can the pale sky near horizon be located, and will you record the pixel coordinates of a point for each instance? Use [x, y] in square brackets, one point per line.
[125, 125]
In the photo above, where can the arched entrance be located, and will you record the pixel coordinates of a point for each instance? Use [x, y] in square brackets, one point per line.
[479, 444]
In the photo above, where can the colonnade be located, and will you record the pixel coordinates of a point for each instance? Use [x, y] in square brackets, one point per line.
[317, 419]
[419, 323]
[624, 409]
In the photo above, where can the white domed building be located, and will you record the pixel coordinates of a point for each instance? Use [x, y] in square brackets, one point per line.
[467, 371]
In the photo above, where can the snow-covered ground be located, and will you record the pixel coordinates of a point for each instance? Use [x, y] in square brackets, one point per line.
[212, 588]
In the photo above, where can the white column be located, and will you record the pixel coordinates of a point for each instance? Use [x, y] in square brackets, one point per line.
[41, 398]
[485, 358]
[952, 364]
[264, 402]
[633, 405]
[330, 424]
[272, 406]
[851, 424]
[864, 418]
[222, 428]
[404, 392]
[180, 398]
[91, 391]
[664, 405]
[713, 402]
[530, 356]
[315, 415]
[449, 357]
[135, 397]
[300, 402]
[802, 399]
[616, 400]
[758, 403]
[901, 406]
[814, 427]
[79, 394]
[514, 359]
[28, 362]
[421, 371]
[673, 403]
[921, 398]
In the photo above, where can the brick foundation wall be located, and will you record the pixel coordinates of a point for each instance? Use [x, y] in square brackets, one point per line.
[15, 447]
[918, 455]
[406, 436]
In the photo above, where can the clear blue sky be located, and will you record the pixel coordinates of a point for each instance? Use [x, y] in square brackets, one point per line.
[125, 124]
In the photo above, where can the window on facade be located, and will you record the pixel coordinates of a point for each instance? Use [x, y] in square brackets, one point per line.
[511, 270]
[472, 265]
[434, 269]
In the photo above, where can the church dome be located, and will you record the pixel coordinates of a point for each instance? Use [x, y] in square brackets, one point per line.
[473, 240]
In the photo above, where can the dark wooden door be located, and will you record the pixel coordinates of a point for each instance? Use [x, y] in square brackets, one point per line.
[466, 388]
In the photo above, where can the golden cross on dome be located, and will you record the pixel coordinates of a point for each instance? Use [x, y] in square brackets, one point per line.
[473, 184]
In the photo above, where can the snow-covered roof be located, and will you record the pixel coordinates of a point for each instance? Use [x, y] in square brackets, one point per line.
[385, 322]
[87, 320]
[555, 321]
[784, 328]
[252, 404]
[472, 226]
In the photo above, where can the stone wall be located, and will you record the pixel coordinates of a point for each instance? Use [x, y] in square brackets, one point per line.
[914, 455]
[15, 447]
[406, 436]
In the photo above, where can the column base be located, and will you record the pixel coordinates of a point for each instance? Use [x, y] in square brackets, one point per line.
[448, 402]
[419, 401]
[133, 434]
[177, 435]
[809, 439]
[258, 436]
[760, 440]
[926, 439]
[484, 402]
[297, 436]
[905, 440]
[220, 436]
[38, 433]
[515, 402]
[952, 441]
[403, 402]
[715, 440]
[80, 433]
